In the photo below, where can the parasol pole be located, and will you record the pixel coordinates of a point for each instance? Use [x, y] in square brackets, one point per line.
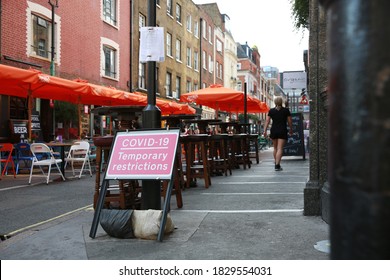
[79, 115]
[245, 108]
[29, 112]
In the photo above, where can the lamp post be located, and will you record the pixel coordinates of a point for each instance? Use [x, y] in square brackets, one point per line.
[151, 118]
[54, 5]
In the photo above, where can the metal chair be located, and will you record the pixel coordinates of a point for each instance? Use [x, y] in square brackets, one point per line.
[6, 150]
[43, 156]
[79, 152]
[23, 155]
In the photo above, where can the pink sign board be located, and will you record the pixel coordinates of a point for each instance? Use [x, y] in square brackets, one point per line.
[143, 155]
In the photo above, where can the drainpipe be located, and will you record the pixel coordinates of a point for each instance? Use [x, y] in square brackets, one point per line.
[200, 52]
[131, 46]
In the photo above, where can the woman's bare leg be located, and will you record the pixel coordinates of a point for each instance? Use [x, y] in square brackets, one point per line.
[279, 150]
[275, 143]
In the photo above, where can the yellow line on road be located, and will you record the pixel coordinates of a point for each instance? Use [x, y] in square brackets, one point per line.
[49, 220]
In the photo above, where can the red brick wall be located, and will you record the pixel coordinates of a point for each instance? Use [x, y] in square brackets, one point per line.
[81, 32]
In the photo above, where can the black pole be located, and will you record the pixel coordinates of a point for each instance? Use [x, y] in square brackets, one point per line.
[151, 118]
[245, 108]
[359, 133]
[52, 62]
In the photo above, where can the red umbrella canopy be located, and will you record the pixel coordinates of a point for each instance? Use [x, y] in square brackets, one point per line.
[224, 99]
[174, 108]
[16, 81]
[213, 96]
[254, 105]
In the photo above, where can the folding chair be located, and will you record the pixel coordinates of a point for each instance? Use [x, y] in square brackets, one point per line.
[79, 152]
[24, 156]
[6, 150]
[43, 156]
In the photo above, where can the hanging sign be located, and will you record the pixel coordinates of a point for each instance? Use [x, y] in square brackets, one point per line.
[148, 154]
[152, 44]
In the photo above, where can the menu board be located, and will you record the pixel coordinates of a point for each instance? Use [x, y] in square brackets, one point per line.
[295, 145]
[19, 128]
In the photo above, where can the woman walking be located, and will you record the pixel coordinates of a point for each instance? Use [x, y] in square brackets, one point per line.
[280, 117]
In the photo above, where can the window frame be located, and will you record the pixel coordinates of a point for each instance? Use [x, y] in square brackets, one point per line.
[178, 50]
[168, 84]
[178, 13]
[169, 51]
[111, 16]
[110, 73]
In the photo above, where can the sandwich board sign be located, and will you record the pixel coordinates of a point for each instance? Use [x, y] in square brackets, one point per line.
[140, 155]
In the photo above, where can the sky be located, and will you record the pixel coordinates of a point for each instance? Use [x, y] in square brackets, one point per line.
[268, 24]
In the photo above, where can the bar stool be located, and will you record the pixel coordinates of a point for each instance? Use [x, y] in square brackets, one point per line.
[254, 147]
[218, 154]
[197, 164]
[240, 150]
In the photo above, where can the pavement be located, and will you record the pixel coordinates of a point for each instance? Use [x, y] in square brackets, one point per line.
[254, 214]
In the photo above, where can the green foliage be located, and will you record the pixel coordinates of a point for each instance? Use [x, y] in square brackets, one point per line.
[300, 13]
[66, 112]
[250, 117]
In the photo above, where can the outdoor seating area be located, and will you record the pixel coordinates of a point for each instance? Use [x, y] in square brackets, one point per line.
[208, 147]
[203, 154]
[41, 159]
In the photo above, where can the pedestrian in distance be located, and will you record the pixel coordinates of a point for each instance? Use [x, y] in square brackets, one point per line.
[280, 116]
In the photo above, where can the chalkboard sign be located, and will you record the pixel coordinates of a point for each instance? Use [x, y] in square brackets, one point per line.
[295, 145]
[19, 130]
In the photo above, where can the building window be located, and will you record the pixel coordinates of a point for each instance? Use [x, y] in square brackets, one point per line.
[196, 86]
[178, 13]
[169, 44]
[188, 57]
[196, 61]
[169, 7]
[188, 86]
[210, 35]
[204, 60]
[41, 42]
[141, 75]
[196, 29]
[178, 50]
[110, 62]
[211, 66]
[109, 11]
[168, 84]
[219, 46]
[189, 23]
[178, 88]
[142, 20]
[204, 29]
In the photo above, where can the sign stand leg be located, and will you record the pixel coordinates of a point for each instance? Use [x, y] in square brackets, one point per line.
[99, 206]
[166, 208]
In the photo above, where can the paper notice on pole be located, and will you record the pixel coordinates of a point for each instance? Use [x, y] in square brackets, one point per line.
[152, 44]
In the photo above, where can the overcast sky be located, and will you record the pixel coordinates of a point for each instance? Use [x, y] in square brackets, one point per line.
[268, 25]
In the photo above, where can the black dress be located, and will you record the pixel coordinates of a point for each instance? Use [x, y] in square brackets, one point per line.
[279, 122]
